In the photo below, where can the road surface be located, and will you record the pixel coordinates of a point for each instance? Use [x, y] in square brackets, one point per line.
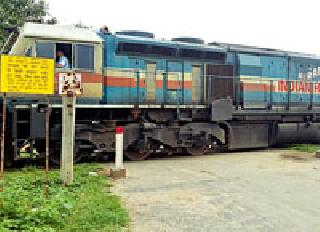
[271, 190]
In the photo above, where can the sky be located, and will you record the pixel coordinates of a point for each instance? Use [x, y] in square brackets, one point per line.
[291, 25]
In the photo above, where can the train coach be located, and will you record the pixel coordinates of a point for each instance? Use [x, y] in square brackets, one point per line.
[171, 96]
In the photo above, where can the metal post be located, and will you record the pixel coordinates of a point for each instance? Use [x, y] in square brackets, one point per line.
[311, 95]
[68, 138]
[178, 98]
[289, 95]
[271, 95]
[182, 100]
[3, 132]
[265, 93]
[209, 94]
[164, 86]
[138, 88]
[289, 85]
[47, 147]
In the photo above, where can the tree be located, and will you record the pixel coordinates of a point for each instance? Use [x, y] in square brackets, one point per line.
[13, 14]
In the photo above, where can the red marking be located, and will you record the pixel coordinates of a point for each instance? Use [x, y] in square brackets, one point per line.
[131, 82]
[307, 87]
[70, 93]
[188, 84]
[178, 84]
[316, 87]
[86, 77]
[122, 82]
[282, 86]
[159, 84]
[119, 130]
[254, 87]
[174, 84]
[298, 86]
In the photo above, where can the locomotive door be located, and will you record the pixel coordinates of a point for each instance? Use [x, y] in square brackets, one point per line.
[150, 82]
[220, 82]
[28, 132]
[196, 84]
[173, 87]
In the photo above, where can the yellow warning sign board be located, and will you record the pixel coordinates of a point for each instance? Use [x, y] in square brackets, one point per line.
[27, 75]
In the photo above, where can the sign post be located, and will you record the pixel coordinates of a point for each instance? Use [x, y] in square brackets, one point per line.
[3, 132]
[25, 75]
[47, 110]
[69, 88]
[68, 139]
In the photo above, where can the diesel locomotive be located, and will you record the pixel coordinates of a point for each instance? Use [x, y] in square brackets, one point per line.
[171, 96]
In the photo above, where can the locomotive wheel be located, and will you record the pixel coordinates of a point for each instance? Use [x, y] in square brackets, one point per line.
[197, 151]
[55, 155]
[55, 158]
[137, 155]
[137, 151]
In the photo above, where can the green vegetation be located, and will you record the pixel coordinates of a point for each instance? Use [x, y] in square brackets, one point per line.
[15, 12]
[86, 205]
[310, 148]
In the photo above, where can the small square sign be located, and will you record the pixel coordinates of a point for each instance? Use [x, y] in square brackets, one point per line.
[70, 84]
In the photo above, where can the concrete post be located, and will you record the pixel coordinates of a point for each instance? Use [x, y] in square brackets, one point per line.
[118, 171]
[68, 138]
[119, 147]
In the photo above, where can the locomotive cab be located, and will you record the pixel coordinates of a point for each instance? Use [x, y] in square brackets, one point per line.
[82, 48]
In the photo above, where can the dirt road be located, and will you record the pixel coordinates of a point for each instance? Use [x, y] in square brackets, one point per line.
[250, 191]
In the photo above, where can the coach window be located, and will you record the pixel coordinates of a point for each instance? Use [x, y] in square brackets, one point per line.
[66, 49]
[45, 49]
[84, 57]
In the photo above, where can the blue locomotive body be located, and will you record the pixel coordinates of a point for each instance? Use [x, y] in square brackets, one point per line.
[178, 95]
[280, 80]
[180, 76]
[155, 71]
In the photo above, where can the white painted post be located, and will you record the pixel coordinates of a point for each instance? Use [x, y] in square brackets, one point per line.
[119, 148]
[68, 138]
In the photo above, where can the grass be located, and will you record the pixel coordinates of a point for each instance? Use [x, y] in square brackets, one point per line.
[310, 148]
[86, 205]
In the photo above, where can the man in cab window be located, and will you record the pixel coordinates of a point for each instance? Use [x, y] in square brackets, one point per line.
[62, 61]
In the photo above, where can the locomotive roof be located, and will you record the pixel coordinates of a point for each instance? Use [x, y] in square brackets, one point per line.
[61, 32]
[72, 33]
[264, 51]
[221, 47]
[169, 43]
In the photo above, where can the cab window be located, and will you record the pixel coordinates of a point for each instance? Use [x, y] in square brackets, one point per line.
[78, 56]
[45, 50]
[84, 57]
[66, 50]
